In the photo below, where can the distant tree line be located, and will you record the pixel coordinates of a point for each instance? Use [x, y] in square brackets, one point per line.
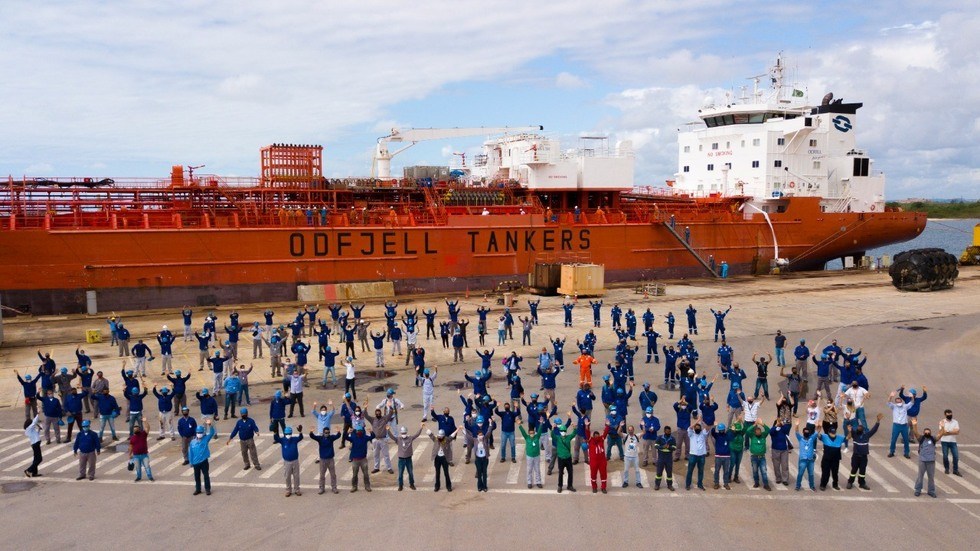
[942, 209]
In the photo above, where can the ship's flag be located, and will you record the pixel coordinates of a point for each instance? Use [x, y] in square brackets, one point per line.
[797, 93]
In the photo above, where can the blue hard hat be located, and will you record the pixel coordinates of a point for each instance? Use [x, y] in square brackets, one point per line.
[200, 429]
[736, 385]
[848, 350]
[823, 356]
[802, 341]
[721, 427]
[605, 377]
[204, 391]
[649, 409]
[129, 372]
[479, 420]
[64, 370]
[86, 423]
[646, 385]
[287, 430]
[164, 390]
[243, 411]
[913, 392]
[27, 377]
[425, 371]
[620, 391]
[347, 395]
[177, 373]
[556, 421]
[612, 409]
[278, 394]
[534, 396]
[390, 391]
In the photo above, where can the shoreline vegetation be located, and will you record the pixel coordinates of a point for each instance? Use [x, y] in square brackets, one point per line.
[940, 210]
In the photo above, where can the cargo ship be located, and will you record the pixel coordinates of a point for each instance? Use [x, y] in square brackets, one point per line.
[202, 239]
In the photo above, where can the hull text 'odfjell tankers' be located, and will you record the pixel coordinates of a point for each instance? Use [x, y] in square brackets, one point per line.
[194, 238]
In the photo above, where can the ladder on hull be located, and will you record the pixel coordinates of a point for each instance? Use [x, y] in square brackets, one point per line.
[691, 250]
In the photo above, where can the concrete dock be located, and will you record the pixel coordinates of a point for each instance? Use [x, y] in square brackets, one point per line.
[929, 340]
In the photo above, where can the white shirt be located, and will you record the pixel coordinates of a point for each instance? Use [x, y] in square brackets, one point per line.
[900, 412]
[632, 445]
[296, 383]
[411, 337]
[952, 425]
[751, 411]
[33, 432]
[856, 395]
[350, 369]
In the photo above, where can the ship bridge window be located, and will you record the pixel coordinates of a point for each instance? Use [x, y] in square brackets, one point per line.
[757, 118]
[714, 145]
[687, 168]
[813, 143]
[687, 149]
[729, 119]
[741, 119]
[756, 141]
[780, 141]
[711, 122]
[755, 164]
[861, 166]
[777, 163]
[711, 167]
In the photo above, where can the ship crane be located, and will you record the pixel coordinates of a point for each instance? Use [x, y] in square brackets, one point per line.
[381, 164]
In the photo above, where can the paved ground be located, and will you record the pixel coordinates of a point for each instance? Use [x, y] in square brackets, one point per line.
[928, 339]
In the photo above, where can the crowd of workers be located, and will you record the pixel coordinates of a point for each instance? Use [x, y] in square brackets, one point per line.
[820, 400]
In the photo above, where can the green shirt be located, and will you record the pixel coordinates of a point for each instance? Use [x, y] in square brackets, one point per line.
[736, 437]
[563, 445]
[757, 444]
[532, 444]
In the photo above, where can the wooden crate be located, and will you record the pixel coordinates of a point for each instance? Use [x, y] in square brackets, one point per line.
[583, 280]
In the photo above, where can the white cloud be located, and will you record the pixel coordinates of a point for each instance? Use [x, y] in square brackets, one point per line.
[568, 80]
[46, 169]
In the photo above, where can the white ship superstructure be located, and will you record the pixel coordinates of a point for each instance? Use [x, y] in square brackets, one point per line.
[772, 144]
[538, 162]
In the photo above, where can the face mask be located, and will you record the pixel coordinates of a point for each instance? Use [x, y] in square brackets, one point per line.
[949, 417]
[200, 436]
[649, 415]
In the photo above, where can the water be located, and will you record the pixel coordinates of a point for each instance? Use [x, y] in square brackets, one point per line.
[953, 236]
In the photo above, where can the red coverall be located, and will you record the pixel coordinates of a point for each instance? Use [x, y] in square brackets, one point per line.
[597, 458]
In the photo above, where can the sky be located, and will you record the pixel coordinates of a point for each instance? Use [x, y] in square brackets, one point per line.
[104, 88]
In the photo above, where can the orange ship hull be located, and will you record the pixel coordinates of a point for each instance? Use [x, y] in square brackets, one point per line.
[49, 270]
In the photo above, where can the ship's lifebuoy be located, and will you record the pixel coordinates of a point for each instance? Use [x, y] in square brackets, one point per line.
[872, 208]
[792, 184]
